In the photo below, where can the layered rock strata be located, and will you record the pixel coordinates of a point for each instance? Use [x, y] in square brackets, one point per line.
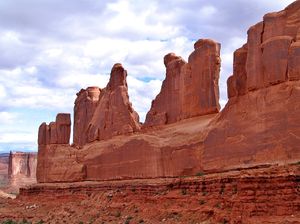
[190, 89]
[266, 194]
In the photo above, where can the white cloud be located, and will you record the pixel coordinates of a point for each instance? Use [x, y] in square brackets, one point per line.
[17, 137]
[142, 93]
[7, 118]
[2, 92]
[208, 11]
[132, 19]
[83, 80]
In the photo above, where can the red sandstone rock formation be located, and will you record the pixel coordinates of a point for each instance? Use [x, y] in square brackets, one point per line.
[85, 106]
[98, 114]
[101, 114]
[4, 160]
[268, 194]
[57, 132]
[271, 55]
[114, 114]
[21, 169]
[190, 89]
[259, 125]
[261, 121]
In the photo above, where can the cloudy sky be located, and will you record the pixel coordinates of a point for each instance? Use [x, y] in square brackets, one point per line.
[50, 49]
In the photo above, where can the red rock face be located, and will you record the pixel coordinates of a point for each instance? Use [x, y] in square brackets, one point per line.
[114, 114]
[259, 125]
[264, 122]
[190, 89]
[275, 59]
[271, 53]
[101, 114]
[84, 109]
[204, 76]
[52, 162]
[254, 58]
[293, 62]
[57, 132]
[167, 106]
[21, 169]
[4, 160]
[267, 194]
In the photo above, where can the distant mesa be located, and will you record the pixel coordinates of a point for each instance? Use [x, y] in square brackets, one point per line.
[17, 169]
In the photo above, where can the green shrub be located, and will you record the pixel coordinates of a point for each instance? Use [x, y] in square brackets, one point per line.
[24, 221]
[200, 174]
[9, 221]
[225, 221]
[127, 221]
[118, 214]
[42, 222]
[234, 190]
[218, 205]
[222, 190]
[202, 202]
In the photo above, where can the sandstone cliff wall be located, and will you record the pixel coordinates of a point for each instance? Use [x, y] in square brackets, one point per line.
[260, 124]
[4, 159]
[261, 121]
